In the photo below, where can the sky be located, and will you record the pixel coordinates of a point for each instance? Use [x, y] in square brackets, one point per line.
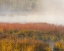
[49, 11]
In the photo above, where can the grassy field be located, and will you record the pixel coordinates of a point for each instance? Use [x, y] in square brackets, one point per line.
[31, 37]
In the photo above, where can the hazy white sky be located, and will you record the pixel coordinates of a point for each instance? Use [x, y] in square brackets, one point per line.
[51, 11]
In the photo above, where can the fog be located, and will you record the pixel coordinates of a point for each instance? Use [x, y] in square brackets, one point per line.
[49, 11]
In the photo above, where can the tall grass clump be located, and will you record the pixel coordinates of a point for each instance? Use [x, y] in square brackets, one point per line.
[59, 46]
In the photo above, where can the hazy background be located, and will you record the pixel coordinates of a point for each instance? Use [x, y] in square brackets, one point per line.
[27, 11]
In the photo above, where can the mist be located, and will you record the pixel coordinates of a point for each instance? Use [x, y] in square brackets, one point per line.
[49, 11]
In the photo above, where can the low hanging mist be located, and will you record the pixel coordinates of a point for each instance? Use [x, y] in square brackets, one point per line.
[32, 11]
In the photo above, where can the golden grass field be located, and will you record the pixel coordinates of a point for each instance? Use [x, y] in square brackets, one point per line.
[31, 37]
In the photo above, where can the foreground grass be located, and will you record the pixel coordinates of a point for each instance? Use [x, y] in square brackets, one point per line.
[23, 45]
[29, 40]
